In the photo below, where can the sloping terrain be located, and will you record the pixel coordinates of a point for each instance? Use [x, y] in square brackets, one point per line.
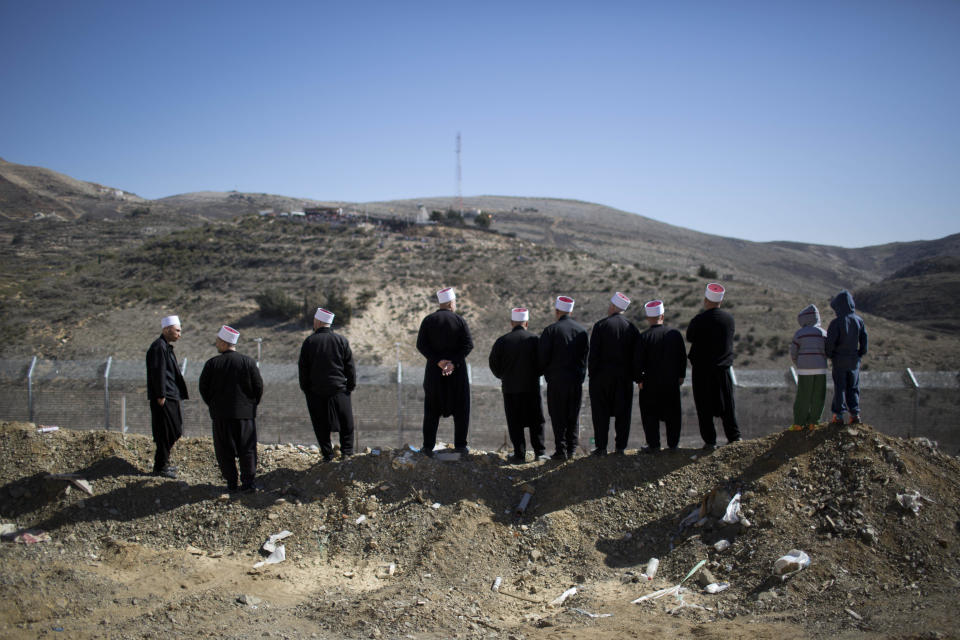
[123, 275]
[143, 556]
[926, 294]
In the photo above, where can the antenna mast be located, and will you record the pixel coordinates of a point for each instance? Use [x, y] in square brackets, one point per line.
[459, 178]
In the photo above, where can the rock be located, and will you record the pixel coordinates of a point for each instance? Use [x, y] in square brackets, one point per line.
[535, 555]
[767, 596]
[250, 601]
[868, 535]
[705, 577]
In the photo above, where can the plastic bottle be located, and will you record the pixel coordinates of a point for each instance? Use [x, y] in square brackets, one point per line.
[651, 571]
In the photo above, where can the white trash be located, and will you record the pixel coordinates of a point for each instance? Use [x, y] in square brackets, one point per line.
[732, 516]
[651, 569]
[721, 545]
[716, 587]
[560, 599]
[271, 544]
[279, 555]
[795, 560]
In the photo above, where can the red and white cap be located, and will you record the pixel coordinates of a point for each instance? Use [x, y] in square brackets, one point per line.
[446, 295]
[654, 308]
[714, 292]
[519, 314]
[323, 315]
[620, 301]
[169, 321]
[565, 304]
[228, 334]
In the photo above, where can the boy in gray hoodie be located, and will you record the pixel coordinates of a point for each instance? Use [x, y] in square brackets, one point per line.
[808, 352]
[846, 344]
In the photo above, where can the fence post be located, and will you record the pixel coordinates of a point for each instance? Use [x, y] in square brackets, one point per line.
[733, 377]
[259, 342]
[106, 394]
[123, 414]
[793, 376]
[33, 364]
[916, 399]
[183, 367]
[399, 398]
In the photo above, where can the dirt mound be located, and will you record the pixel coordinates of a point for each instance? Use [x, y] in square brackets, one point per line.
[392, 544]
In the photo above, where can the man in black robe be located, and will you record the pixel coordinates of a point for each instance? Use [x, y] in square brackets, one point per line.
[327, 377]
[659, 367]
[563, 360]
[444, 340]
[513, 359]
[612, 341]
[231, 385]
[165, 390]
[710, 335]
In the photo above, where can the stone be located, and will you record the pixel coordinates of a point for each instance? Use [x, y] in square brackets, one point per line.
[705, 577]
[250, 601]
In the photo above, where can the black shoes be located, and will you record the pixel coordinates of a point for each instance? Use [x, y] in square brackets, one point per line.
[166, 472]
[599, 453]
[709, 446]
[542, 456]
[620, 452]
[650, 450]
[517, 459]
[559, 455]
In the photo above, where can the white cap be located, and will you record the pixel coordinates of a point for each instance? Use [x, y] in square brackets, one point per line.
[654, 308]
[169, 321]
[565, 304]
[519, 314]
[324, 316]
[446, 295]
[714, 292]
[620, 301]
[228, 334]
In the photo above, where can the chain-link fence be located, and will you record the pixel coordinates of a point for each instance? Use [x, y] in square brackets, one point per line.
[388, 403]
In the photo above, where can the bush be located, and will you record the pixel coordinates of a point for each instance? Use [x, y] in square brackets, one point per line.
[274, 303]
[704, 272]
[334, 299]
[483, 220]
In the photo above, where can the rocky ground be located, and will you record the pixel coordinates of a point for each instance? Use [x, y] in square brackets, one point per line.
[389, 544]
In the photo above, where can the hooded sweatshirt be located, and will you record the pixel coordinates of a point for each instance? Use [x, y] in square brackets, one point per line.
[808, 349]
[846, 335]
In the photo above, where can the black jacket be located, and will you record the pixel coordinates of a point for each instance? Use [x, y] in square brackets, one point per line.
[163, 374]
[513, 359]
[660, 358]
[563, 351]
[612, 342]
[710, 335]
[231, 385]
[326, 364]
[444, 335]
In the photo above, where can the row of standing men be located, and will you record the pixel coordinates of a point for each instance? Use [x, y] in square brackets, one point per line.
[616, 355]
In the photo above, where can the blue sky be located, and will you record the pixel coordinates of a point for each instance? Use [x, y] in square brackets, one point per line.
[826, 122]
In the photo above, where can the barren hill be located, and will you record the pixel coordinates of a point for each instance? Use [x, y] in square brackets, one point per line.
[390, 544]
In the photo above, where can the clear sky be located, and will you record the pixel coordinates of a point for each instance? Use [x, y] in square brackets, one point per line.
[833, 122]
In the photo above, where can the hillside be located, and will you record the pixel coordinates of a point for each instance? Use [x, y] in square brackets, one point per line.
[123, 275]
[390, 544]
[925, 293]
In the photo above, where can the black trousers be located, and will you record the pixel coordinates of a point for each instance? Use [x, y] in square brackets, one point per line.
[433, 409]
[713, 395]
[658, 404]
[563, 403]
[331, 414]
[613, 397]
[166, 422]
[235, 438]
[525, 411]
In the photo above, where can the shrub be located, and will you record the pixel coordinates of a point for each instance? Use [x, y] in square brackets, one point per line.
[704, 272]
[274, 303]
[483, 220]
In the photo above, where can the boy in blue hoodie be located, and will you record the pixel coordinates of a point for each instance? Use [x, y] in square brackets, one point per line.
[808, 352]
[846, 345]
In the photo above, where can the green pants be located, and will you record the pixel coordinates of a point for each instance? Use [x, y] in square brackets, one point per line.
[811, 394]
